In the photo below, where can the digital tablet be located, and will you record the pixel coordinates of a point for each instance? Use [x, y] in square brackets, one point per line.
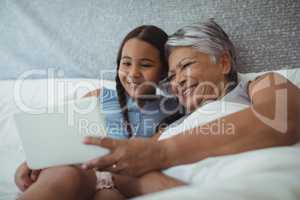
[54, 137]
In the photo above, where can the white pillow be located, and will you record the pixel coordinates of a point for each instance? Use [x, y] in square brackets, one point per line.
[291, 74]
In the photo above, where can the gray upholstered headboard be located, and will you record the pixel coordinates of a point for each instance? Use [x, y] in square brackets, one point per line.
[81, 37]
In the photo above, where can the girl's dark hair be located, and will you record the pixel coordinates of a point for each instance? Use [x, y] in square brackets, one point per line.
[157, 38]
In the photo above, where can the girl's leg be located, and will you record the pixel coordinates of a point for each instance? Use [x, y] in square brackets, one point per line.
[62, 183]
[111, 194]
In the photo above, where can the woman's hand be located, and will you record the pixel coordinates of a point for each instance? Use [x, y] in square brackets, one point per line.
[24, 176]
[133, 157]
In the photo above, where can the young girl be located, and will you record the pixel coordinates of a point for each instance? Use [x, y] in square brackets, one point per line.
[132, 110]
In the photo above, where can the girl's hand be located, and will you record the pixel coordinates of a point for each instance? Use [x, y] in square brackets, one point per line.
[24, 176]
[133, 157]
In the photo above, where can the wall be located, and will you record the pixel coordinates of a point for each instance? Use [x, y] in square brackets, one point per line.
[81, 37]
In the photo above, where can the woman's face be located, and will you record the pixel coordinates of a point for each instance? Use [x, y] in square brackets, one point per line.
[140, 68]
[195, 78]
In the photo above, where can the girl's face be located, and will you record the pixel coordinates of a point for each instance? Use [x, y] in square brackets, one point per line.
[140, 68]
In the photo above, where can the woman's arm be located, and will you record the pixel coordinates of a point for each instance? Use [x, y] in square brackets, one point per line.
[271, 120]
[260, 126]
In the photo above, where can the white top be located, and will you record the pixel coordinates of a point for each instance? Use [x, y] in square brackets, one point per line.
[236, 100]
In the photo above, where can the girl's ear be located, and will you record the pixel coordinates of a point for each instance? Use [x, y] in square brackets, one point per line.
[225, 62]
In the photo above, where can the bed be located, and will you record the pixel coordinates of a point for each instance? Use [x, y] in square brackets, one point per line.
[53, 51]
[16, 95]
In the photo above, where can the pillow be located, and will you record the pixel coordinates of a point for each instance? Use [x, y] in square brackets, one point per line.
[291, 74]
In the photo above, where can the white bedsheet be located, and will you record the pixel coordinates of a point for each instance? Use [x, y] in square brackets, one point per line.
[267, 174]
[221, 180]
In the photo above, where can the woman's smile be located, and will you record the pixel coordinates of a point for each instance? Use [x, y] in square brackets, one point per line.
[187, 92]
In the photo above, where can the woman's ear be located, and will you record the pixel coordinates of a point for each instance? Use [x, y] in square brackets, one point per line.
[225, 62]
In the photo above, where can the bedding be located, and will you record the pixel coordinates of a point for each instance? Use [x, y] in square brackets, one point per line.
[266, 174]
[226, 177]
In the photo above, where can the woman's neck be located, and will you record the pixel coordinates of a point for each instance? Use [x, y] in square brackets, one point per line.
[224, 88]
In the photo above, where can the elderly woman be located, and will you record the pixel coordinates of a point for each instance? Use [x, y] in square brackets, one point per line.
[202, 73]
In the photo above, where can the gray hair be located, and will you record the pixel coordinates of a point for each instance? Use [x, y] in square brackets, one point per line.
[207, 37]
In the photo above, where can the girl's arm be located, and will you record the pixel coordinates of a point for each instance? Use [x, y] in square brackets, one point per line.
[94, 93]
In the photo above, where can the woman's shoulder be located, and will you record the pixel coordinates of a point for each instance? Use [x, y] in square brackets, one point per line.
[239, 94]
